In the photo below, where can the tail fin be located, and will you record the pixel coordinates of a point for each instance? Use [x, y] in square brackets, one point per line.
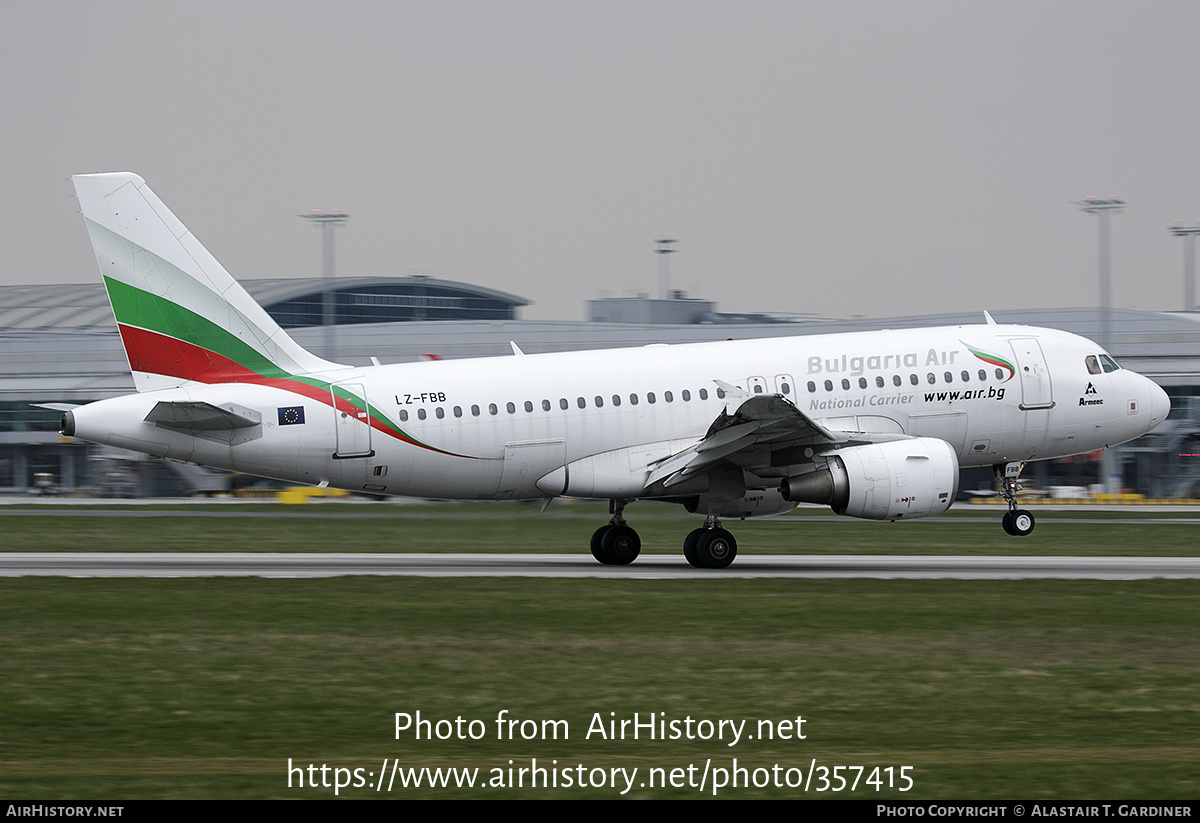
[182, 317]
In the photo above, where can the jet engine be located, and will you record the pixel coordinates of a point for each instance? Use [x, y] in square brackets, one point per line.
[882, 481]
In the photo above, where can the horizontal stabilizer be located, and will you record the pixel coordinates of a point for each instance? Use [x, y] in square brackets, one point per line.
[195, 416]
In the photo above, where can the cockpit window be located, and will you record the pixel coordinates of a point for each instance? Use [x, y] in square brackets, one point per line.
[1093, 364]
[1109, 364]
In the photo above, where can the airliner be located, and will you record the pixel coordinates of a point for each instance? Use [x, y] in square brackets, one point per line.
[874, 425]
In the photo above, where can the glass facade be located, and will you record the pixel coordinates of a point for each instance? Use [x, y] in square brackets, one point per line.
[392, 303]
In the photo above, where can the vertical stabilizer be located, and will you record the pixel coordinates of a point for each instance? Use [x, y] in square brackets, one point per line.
[182, 317]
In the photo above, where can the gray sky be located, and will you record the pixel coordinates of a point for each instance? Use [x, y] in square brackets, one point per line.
[872, 158]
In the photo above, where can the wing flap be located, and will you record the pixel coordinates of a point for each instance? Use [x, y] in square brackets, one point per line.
[761, 426]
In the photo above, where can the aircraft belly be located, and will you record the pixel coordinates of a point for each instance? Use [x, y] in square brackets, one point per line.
[446, 476]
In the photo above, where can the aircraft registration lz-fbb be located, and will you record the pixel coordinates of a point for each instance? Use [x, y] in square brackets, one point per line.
[873, 424]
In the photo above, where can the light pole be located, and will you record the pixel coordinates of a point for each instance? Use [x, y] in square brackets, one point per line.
[1091, 204]
[1188, 233]
[327, 221]
[662, 247]
[1103, 208]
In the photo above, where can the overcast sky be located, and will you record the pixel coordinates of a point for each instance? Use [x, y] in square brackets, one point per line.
[840, 158]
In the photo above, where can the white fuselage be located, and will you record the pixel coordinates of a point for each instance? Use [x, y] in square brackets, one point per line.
[495, 427]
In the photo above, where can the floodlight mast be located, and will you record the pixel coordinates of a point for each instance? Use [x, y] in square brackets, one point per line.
[1188, 233]
[662, 247]
[327, 221]
[1111, 467]
[1103, 208]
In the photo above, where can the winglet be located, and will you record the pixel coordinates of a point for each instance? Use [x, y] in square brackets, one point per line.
[988, 317]
[516, 349]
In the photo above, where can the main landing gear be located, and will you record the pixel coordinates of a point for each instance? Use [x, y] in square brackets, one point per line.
[710, 547]
[1017, 522]
[617, 544]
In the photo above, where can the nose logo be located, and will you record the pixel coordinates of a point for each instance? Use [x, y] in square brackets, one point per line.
[1090, 389]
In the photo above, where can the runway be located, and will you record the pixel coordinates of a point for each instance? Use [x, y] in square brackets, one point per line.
[647, 567]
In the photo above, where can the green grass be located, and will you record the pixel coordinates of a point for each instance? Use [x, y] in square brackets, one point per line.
[564, 528]
[205, 688]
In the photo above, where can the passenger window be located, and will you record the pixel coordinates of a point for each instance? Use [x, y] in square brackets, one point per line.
[704, 394]
[616, 399]
[510, 408]
[528, 406]
[721, 393]
[982, 376]
[475, 411]
[812, 387]
[650, 397]
[896, 380]
[492, 409]
[785, 389]
[879, 382]
[599, 401]
[633, 400]
[916, 381]
[545, 405]
[828, 385]
[458, 411]
[420, 414]
[403, 416]
[686, 395]
[562, 403]
[439, 413]
[931, 377]
[949, 377]
[668, 396]
[862, 382]
[845, 384]
[999, 374]
[966, 376]
[580, 402]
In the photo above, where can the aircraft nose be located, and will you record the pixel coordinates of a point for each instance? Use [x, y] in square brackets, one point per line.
[1160, 404]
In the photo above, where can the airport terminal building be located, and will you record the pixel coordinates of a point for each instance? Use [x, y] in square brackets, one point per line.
[60, 345]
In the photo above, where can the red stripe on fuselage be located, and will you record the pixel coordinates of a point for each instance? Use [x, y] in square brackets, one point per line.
[156, 353]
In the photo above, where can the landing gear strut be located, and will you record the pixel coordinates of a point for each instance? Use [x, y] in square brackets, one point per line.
[1017, 522]
[710, 547]
[616, 544]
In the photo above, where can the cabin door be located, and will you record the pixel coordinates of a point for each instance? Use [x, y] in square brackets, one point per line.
[352, 420]
[1036, 390]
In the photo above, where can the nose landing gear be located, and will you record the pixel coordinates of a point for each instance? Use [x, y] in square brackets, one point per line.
[1017, 522]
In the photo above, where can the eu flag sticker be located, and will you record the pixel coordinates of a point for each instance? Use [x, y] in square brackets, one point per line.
[291, 416]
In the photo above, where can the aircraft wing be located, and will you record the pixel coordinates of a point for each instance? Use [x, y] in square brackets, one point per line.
[764, 431]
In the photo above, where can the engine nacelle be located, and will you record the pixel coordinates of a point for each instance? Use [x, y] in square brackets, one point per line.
[758, 503]
[882, 481]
